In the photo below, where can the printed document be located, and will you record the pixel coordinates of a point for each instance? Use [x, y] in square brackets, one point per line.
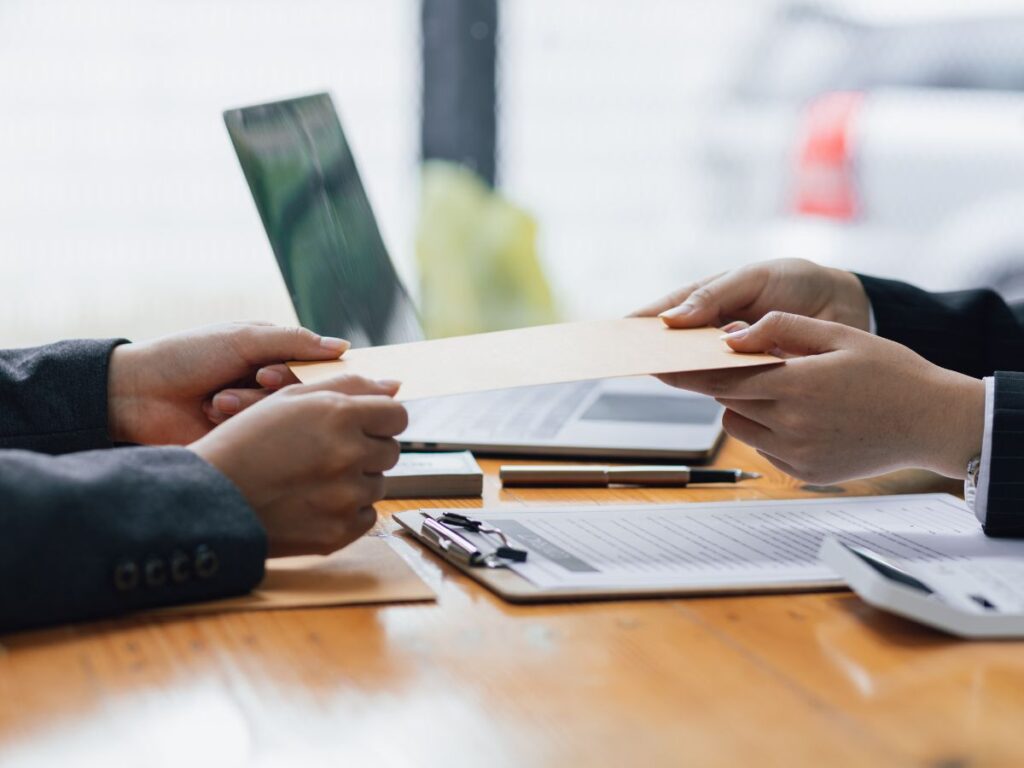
[733, 544]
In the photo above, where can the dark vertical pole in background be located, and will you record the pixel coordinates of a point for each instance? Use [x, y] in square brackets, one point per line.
[459, 87]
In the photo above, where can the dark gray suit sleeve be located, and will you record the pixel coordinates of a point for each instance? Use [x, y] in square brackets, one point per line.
[973, 332]
[53, 399]
[101, 533]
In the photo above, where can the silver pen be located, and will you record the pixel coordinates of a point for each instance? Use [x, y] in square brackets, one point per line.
[590, 475]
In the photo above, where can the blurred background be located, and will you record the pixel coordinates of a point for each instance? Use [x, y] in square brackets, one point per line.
[639, 145]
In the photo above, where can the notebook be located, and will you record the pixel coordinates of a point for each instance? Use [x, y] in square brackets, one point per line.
[434, 475]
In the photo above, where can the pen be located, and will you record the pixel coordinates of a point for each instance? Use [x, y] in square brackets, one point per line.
[589, 475]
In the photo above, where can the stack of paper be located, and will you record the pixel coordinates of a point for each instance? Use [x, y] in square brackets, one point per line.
[434, 475]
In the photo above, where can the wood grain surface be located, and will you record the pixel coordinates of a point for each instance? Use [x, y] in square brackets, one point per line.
[818, 680]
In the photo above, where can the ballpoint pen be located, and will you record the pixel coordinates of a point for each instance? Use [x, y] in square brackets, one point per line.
[589, 475]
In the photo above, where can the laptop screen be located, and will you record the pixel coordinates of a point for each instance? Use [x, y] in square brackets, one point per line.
[304, 179]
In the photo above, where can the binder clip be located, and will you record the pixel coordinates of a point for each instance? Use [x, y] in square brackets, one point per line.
[441, 532]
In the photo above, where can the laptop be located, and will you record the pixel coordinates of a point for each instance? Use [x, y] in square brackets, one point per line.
[342, 282]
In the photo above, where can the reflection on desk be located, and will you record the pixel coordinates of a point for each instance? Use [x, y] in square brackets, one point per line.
[817, 679]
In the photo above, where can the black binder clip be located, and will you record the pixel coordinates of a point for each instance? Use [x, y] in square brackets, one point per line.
[440, 531]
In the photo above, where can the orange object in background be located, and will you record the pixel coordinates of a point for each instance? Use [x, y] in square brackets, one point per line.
[824, 174]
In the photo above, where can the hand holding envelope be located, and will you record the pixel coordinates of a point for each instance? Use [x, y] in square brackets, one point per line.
[546, 354]
[368, 570]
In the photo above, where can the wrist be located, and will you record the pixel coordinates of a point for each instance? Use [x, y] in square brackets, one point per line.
[851, 305]
[234, 465]
[955, 425]
[122, 394]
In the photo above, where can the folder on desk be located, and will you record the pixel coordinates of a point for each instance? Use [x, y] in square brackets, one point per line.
[368, 571]
[615, 552]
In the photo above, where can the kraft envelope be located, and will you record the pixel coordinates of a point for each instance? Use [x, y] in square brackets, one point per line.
[366, 571]
[545, 354]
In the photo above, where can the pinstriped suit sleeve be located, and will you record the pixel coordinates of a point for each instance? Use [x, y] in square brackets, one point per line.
[1004, 508]
[978, 334]
[973, 332]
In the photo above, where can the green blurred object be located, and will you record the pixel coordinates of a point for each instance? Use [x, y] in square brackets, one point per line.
[477, 256]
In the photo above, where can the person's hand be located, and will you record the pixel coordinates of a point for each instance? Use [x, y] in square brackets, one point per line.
[309, 460]
[175, 389]
[748, 293]
[848, 405]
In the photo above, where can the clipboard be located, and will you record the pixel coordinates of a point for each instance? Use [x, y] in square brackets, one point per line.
[514, 588]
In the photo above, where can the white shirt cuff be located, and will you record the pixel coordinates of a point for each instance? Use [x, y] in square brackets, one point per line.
[981, 493]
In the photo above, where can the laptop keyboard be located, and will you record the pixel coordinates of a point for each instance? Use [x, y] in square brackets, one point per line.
[528, 413]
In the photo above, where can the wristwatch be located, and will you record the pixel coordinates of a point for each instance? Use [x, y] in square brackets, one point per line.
[971, 481]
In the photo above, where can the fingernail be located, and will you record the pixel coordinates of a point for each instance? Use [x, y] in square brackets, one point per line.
[733, 326]
[333, 343]
[389, 383]
[682, 309]
[227, 403]
[268, 378]
[735, 334]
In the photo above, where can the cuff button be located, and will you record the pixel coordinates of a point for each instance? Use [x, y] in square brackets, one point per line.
[126, 576]
[156, 572]
[180, 567]
[207, 562]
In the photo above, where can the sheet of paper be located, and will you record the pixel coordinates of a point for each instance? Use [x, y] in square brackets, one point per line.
[730, 544]
[366, 571]
[546, 354]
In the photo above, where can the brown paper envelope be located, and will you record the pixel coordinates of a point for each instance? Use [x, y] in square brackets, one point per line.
[366, 571]
[545, 354]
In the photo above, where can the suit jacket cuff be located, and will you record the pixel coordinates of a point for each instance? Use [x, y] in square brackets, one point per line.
[55, 397]
[101, 533]
[1004, 478]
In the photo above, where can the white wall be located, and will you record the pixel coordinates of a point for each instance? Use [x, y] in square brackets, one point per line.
[602, 101]
[123, 211]
[122, 207]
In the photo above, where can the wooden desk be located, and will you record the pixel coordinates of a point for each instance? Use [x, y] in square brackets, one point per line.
[818, 679]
